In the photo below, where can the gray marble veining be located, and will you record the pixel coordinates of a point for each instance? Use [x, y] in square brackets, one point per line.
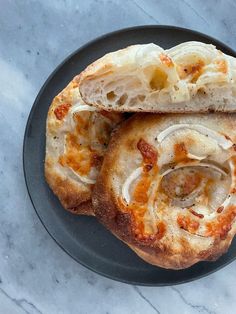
[36, 276]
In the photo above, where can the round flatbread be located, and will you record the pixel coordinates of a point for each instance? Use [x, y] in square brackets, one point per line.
[167, 187]
[191, 77]
[77, 136]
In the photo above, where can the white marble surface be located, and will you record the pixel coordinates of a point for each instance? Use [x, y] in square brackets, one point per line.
[36, 276]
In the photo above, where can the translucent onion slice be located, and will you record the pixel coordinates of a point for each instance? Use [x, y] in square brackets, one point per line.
[82, 178]
[233, 172]
[193, 51]
[125, 188]
[192, 156]
[212, 77]
[207, 165]
[220, 139]
[78, 107]
[231, 199]
[218, 194]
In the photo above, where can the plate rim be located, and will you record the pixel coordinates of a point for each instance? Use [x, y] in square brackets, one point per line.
[30, 116]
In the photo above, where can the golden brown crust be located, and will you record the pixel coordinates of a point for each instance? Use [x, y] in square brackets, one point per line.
[111, 211]
[74, 197]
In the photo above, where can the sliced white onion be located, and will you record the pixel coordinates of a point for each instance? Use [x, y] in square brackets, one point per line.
[192, 51]
[125, 188]
[207, 165]
[233, 177]
[212, 77]
[82, 178]
[220, 139]
[218, 195]
[78, 108]
[192, 156]
[231, 199]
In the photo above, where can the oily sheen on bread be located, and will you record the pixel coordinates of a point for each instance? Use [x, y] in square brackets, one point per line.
[191, 77]
[76, 139]
[167, 187]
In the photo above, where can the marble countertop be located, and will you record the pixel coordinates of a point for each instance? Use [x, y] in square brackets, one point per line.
[36, 276]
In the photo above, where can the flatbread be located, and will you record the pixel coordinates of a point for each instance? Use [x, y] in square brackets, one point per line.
[76, 139]
[191, 77]
[167, 187]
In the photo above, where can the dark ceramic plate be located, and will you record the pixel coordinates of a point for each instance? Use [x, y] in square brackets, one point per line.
[83, 238]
